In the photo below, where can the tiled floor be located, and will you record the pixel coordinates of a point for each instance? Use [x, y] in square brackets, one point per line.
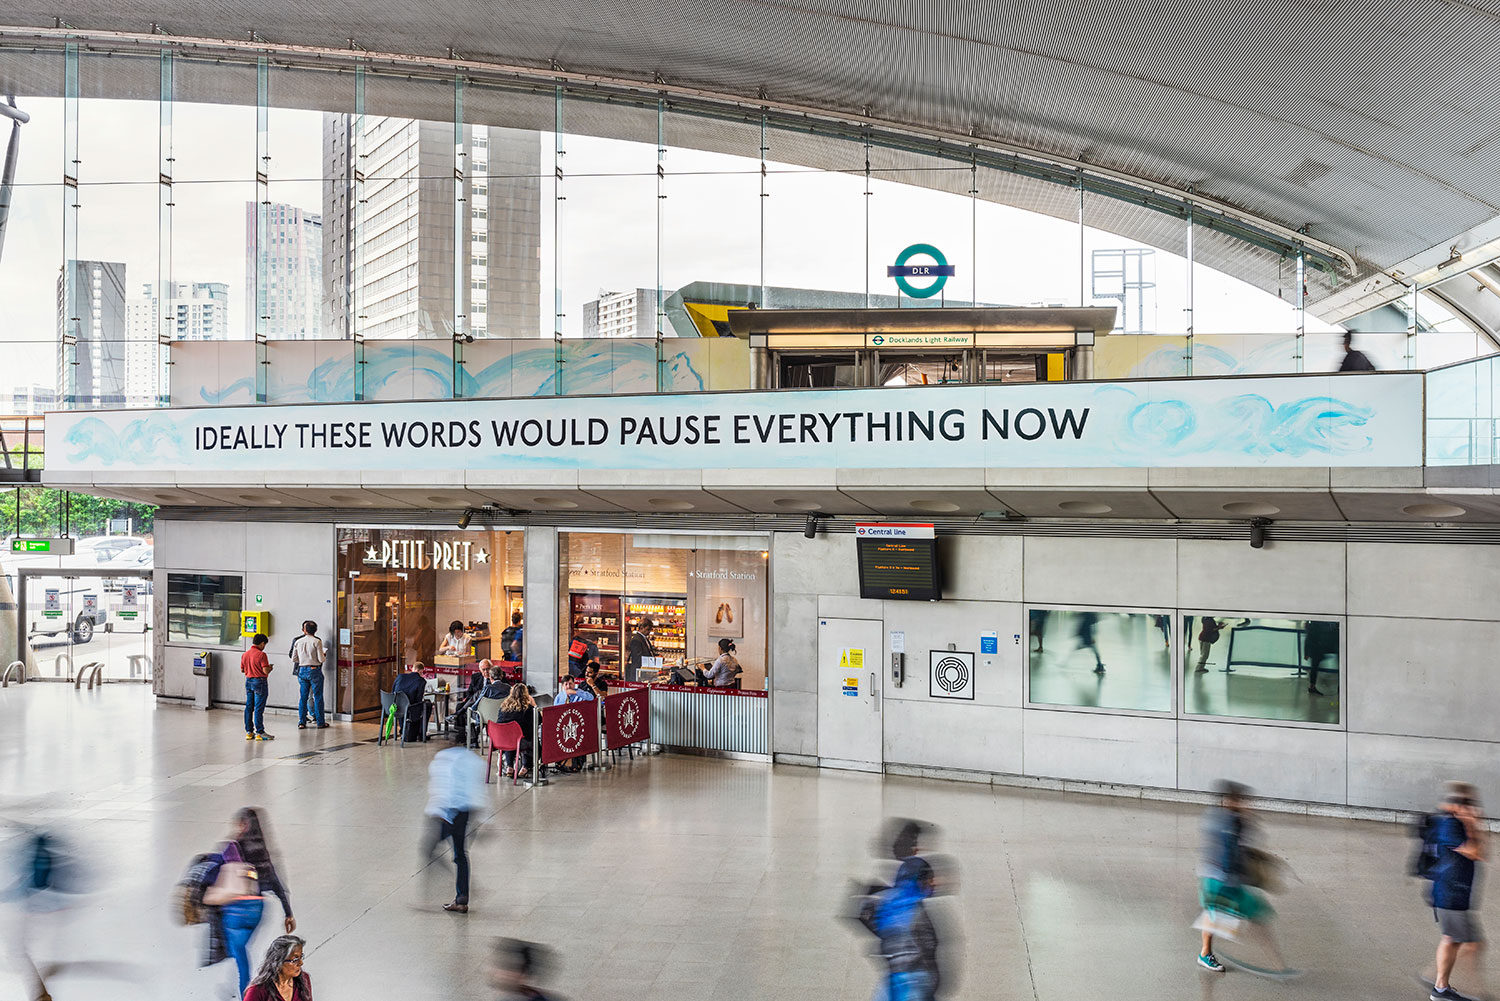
[671, 878]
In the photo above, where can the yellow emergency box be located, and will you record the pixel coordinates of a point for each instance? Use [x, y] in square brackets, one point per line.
[255, 622]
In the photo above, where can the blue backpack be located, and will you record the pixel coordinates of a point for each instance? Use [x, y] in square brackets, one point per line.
[1424, 864]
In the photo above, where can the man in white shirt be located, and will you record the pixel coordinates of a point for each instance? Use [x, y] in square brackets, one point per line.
[307, 664]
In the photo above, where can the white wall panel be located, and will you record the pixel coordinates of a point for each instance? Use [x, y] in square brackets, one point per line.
[794, 639]
[933, 625]
[825, 565]
[1299, 578]
[1276, 761]
[289, 548]
[1413, 581]
[953, 735]
[1424, 677]
[1406, 773]
[1137, 750]
[981, 567]
[200, 545]
[794, 722]
[1137, 572]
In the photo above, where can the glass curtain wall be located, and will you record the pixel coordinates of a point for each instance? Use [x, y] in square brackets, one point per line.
[272, 210]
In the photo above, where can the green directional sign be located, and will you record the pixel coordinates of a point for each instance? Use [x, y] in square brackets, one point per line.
[52, 547]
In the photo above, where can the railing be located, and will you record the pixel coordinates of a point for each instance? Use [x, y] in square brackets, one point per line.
[1461, 415]
[92, 672]
[21, 448]
[9, 670]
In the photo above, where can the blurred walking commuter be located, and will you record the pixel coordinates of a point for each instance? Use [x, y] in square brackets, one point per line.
[280, 977]
[308, 655]
[1454, 842]
[455, 786]
[237, 886]
[40, 867]
[256, 667]
[517, 967]
[1230, 866]
[1354, 360]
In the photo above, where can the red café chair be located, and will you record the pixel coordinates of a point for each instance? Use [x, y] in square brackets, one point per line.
[504, 737]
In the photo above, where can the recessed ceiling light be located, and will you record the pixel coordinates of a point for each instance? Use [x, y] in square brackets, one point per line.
[1251, 509]
[561, 503]
[793, 504]
[667, 504]
[935, 506]
[1433, 509]
[1084, 507]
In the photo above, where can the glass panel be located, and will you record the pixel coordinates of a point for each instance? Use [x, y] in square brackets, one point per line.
[1100, 659]
[118, 110]
[1025, 258]
[116, 359]
[204, 608]
[814, 236]
[401, 590]
[210, 264]
[30, 273]
[1261, 668]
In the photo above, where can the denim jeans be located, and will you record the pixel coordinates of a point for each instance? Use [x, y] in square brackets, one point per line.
[454, 831]
[915, 985]
[310, 683]
[255, 705]
[240, 921]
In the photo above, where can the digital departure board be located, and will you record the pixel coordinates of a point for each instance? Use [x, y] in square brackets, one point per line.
[899, 562]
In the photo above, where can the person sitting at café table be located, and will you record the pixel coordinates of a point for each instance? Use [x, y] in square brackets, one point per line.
[518, 707]
[725, 668]
[456, 643]
[411, 684]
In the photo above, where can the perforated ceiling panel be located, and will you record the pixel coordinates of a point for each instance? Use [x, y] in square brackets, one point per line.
[1374, 123]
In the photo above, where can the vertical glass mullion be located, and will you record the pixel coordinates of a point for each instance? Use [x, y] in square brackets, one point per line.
[1082, 251]
[1301, 306]
[71, 319]
[1188, 307]
[165, 159]
[661, 197]
[557, 188]
[461, 242]
[355, 248]
[764, 149]
[868, 193]
[262, 220]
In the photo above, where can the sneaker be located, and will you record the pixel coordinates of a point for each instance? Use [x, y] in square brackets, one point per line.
[322, 726]
[1446, 994]
[250, 736]
[302, 726]
[264, 736]
[1210, 963]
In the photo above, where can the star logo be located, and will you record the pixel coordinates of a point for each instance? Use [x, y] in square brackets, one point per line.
[570, 732]
[483, 556]
[371, 556]
[630, 719]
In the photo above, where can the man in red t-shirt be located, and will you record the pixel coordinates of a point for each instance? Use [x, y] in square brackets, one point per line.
[256, 667]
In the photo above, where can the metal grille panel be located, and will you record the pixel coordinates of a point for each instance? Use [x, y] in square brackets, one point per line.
[712, 722]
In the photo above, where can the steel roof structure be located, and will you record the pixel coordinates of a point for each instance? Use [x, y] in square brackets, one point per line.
[1367, 130]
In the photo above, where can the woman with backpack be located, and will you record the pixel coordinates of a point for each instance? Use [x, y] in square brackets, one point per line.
[238, 888]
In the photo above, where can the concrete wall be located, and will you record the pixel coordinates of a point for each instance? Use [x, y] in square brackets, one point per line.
[289, 565]
[1418, 705]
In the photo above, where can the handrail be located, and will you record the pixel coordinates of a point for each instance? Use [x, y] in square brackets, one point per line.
[92, 669]
[5, 675]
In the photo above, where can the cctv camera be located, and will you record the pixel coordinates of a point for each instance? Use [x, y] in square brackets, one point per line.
[1258, 528]
[465, 518]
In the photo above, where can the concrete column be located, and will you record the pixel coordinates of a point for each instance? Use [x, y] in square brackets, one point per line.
[760, 366]
[540, 589]
[1083, 361]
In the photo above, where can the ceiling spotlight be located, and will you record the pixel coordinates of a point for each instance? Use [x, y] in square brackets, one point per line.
[811, 529]
[465, 518]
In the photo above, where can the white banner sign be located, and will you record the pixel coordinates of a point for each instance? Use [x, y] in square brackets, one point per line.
[1369, 420]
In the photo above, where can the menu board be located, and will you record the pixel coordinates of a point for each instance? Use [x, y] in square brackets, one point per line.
[898, 562]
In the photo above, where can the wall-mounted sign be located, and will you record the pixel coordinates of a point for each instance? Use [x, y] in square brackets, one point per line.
[851, 686]
[951, 675]
[852, 659]
[989, 643]
[130, 605]
[939, 270]
[919, 340]
[51, 603]
[1272, 421]
[425, 554]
